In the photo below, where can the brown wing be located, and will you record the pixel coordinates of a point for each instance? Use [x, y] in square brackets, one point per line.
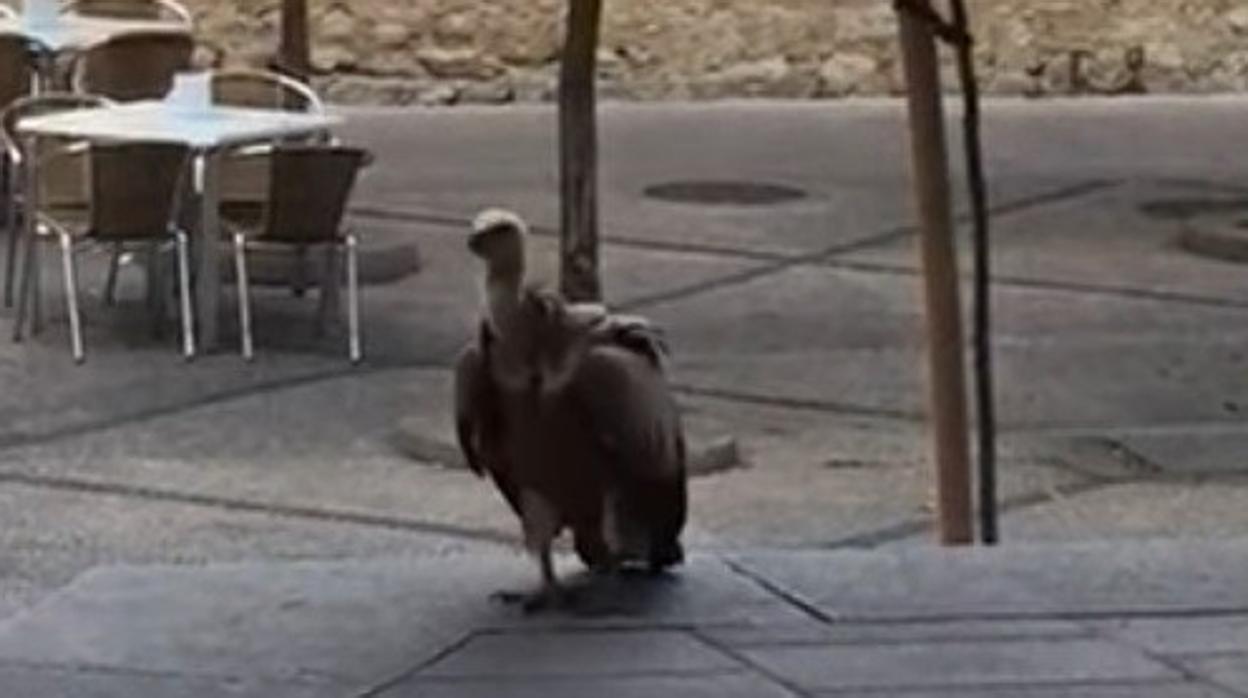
[625, 400]
[479, 419]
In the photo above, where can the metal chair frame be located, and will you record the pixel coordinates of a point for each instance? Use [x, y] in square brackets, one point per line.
[70, 242]
[47, 103]
[282, 84]
[164, 9]
[340, 240]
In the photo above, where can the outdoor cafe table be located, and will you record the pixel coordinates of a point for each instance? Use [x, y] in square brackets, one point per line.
[208, 131]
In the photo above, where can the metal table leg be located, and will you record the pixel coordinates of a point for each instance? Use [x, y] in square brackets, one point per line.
[207, 254]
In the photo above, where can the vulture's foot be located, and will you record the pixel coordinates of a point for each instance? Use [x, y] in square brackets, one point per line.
[546, 599]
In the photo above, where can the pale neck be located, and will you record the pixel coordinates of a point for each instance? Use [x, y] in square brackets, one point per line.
[503, 299]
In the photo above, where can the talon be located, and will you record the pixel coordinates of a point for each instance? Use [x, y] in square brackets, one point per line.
[509, 598]
[533, 602]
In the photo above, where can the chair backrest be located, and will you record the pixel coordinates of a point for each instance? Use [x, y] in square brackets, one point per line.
[264, 90]
[15, 69]
[64, 170]
[245, 174]
[134, 66]
[167, 10]
[308, 193]
[135, 188]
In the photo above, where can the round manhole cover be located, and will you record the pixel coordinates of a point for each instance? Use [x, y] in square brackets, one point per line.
[724, 193]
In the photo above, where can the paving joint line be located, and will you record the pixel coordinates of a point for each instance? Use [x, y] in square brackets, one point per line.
[749, 665]
[992, 688]
[886, 237]
[799, 404]
[15, 441]
[794, 600]
[909, 528]
[11, 442]
[1172, 663]
[274, 509]
[772, 263]
[408, 674]
[557, 678]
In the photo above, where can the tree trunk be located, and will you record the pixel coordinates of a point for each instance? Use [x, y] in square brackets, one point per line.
[578, 155]
[293, 53]
[946, 373]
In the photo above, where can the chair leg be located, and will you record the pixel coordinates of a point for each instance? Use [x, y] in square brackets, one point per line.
[36, 287]
[184, 295]
[299, 274]
[114, 266]
[24, 280]
[15, 231]
[328, 302]
[244, 297]
[71, 295]
[353, 300]
[155, 290]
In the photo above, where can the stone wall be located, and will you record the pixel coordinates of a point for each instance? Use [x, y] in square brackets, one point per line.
[454, 51]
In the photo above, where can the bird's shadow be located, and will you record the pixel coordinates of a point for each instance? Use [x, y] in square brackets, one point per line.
[623, 594]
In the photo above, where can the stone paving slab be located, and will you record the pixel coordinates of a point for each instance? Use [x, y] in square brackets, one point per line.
[815, 633]
[1144, 618]
[1135, 690]
[1229, 672]
[62, 682]
[959, 665]
[1190, 636]
[354, 623]
[1081, 579]
[580, 654]
[729, 685]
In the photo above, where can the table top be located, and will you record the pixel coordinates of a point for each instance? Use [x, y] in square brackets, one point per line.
[72, 31]
[201, 129]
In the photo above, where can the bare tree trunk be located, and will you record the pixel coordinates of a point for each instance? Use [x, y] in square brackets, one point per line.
[293, 53]
[946, 373]
[578, 154]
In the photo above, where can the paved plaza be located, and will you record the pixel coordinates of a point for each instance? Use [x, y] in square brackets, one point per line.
[276, 528]
[1162, 619]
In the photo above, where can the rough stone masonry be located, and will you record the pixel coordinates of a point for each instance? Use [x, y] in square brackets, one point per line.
[493, 51]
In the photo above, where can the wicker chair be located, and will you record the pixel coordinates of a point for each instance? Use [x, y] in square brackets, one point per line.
[134, 66]
[135, 189]
[245, 171]
[63, 186]
[16, 71]
[308, 193]
[166, 10]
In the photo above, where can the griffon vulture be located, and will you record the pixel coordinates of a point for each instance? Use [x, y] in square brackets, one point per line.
[567, 408]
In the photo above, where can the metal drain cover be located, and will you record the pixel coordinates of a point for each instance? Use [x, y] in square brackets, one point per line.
[724, 193]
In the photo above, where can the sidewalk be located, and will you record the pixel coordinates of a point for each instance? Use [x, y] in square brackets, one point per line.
[1141, 620]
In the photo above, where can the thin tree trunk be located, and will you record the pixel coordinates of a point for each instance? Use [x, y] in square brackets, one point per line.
[946, 373]
[578, 155]
[293, 53]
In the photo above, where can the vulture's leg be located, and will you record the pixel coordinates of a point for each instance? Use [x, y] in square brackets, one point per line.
[541, 525]
[593, 549]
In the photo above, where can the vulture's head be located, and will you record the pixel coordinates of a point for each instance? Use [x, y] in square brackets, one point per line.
[498, 239]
